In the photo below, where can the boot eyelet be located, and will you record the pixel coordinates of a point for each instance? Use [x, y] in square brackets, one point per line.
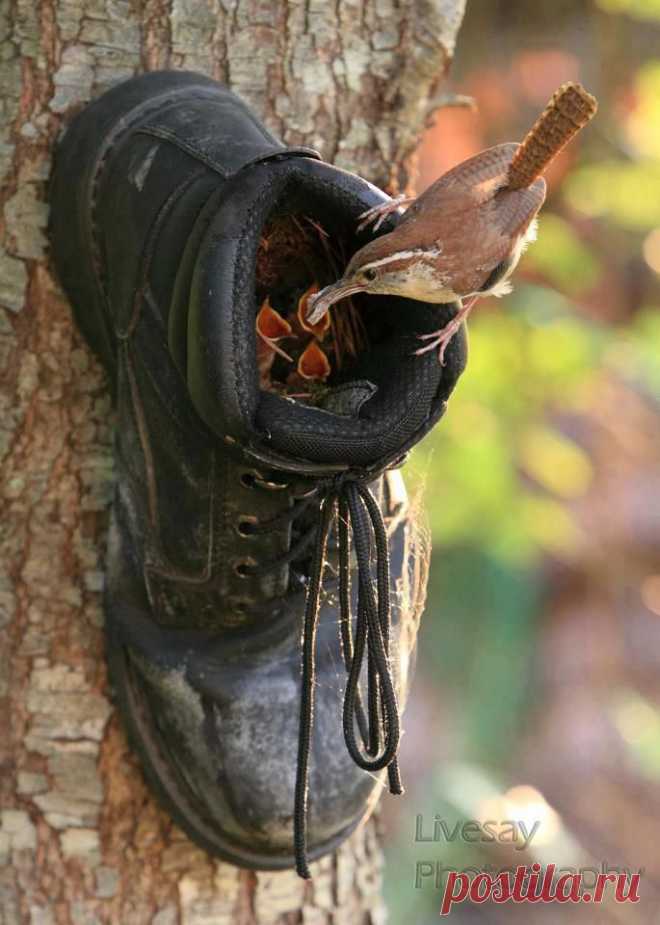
[246, 525]
[252, 478]
[271, 486]
[244, 568]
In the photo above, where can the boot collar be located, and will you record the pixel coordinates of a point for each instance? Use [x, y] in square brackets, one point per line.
[221, 368]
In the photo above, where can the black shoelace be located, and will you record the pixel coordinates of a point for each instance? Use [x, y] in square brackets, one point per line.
[349, 503]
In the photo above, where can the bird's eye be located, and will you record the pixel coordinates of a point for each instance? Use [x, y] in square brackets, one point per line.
[370, 275]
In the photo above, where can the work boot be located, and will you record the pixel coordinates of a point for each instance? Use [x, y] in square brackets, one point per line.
[264, 577]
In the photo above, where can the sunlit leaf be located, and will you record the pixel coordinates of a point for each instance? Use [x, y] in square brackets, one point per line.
[635, 354]
[639, 9]
[643, 124]
[638, 723]
[565, 350]
[629, 193]
[651, 249]
[558, 464]
[551, 526]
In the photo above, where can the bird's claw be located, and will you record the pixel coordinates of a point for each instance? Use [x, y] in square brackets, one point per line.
[377, 214]
[441, 339]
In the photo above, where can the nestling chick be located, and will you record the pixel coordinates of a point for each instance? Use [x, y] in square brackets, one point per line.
[462, 238]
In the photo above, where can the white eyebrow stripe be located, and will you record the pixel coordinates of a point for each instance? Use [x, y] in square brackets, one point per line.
[402, 255]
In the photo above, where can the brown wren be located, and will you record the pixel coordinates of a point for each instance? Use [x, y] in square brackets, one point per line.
[462, 237]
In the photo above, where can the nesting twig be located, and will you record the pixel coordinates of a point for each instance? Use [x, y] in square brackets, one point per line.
[318, 330]
[293, 250]
[348, 330]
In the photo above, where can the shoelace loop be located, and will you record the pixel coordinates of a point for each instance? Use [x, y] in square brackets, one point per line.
[347, 501]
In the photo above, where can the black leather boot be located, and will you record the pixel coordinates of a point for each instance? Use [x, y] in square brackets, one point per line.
[216, 592]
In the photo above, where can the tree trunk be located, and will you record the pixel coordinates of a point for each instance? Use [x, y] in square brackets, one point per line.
[82, 841]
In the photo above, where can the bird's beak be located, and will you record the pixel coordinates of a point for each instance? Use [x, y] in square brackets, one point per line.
[319, 304]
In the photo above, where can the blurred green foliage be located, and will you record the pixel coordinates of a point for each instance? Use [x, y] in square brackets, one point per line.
[560, 256]
[498, 471]
[636, 354]
[506, 471]
[627, 189]
[626, 192]
[640, 9]
[638, 722]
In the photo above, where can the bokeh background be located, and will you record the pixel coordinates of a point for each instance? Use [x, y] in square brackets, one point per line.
[537, 695]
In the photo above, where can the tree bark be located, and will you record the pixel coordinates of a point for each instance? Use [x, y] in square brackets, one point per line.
[81, 840]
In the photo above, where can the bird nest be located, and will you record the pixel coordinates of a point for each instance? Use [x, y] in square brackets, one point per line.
[296, 257]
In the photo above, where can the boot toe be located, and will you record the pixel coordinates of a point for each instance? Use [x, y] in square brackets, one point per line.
[220, 748]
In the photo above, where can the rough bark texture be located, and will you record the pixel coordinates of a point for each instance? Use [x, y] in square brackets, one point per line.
[81, 839]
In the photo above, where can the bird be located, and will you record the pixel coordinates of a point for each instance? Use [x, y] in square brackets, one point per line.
[461, 239]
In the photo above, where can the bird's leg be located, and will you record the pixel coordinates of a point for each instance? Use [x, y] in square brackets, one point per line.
[378, 214]
[442, 337]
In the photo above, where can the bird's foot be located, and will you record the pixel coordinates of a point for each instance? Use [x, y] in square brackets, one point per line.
[378, 214]
[442, 337]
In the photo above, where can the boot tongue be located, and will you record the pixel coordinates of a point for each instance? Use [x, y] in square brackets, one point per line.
[348, 399]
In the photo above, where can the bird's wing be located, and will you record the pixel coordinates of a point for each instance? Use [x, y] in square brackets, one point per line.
[488, 235]
[465, 186]
[473, 222]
